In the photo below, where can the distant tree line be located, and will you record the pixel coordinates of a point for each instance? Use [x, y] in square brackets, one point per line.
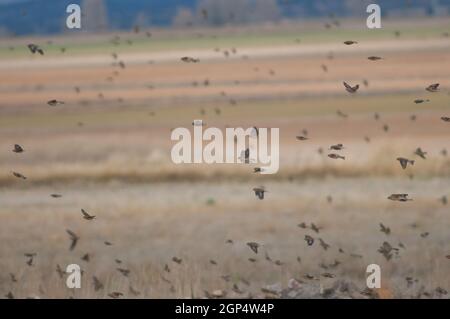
[48, 16]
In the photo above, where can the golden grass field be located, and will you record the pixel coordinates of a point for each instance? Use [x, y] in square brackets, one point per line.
[107, 150]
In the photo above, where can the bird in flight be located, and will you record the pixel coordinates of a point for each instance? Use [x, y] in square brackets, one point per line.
[259, 192]
[351, 89]
[433, 87]
[336, 156]
[385, 229]
[253, 246]
[35, 48]
[54, 102]
[419, 152]
[399, 197]
[420, 101]
[98, 285]
[73, 239]
[341, 114]
[115, 294]
[124, 271]
[337, 147]
[18, 149]
[309, 240]
[404, 162]
[19, 175]
[188, 59]
[86, 215]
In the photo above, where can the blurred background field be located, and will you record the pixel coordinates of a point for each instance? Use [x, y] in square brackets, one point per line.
[107, 150]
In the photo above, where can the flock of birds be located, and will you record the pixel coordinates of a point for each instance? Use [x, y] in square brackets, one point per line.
[387, 250]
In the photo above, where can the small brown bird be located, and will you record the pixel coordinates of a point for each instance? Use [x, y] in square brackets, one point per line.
[35, 48]
[73, 239]
[189, 59]
[124, 271]
[56, 195]
[86, 215]
[309, 240]
[419, 152]
[404, 162]
[350, 42]
[341, 114]
[445, 119]
[30, 261]
[166, 268]
[420, 101]
[59, 271]
[13, 277]
[115, 294]
[257, 170]
[424, 234]
[133, 291]
[337, 147]
[278, 263]
[351, 89]
[18, 149]
[259, 192]
[323, 244]
[315, 228]
[177, 260]
[302, 225]
[253, 246]
[399, 197]
[54, 102]
[86, 258]
[433, 87]
[213, 262]
[385, 229]
[336, 156]
[19, 175]
[107, 243]
[444, 200]
[374, 58]
[301, 138]
[386, 250]
[366, 83]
